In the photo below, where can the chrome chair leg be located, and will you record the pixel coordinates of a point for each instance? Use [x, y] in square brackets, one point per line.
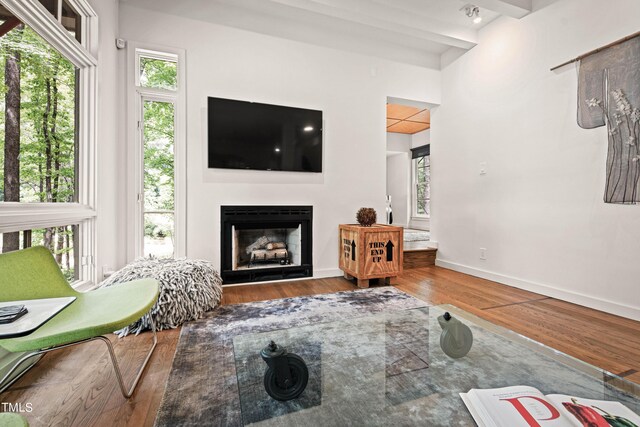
[15, 366]
[126, 393]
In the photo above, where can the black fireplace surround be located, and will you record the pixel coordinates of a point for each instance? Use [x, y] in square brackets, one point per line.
[265, 217]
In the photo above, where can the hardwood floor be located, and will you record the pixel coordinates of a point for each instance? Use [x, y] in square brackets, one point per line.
[77, 386]
[418, 258]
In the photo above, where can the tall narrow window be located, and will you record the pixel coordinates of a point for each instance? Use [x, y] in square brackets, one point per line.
[421, 191]
[159, 172]
[423, 178]
[47, 176]
[157, 82]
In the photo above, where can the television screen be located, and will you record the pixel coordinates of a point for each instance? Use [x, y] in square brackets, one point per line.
[249, 135]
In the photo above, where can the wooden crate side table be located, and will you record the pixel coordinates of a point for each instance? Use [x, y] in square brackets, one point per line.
[374, 252]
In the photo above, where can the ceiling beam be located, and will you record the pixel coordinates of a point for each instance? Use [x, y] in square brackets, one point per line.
[513, 8]
[390, 19]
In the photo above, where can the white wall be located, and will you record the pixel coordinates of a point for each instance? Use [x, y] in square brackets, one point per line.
[398, 142]
[421, 138]
[111, 236]
[398, 175]
[538, 211]
[351, 90]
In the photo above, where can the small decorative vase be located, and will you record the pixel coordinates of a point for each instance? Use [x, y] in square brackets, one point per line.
[389, 211]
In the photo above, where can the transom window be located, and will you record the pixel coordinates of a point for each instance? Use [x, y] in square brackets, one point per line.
[61, 10]
[157, 72]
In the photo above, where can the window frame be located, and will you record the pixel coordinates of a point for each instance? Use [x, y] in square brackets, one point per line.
[137, 95]
[414, 189]
[18, 216]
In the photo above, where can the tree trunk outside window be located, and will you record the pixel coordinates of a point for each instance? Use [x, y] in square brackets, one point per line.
[11, 241]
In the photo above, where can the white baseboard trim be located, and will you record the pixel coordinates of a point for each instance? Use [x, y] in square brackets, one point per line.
[327, 272]
[550, 291]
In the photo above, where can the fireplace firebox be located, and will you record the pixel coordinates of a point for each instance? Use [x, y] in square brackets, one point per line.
[260, 243]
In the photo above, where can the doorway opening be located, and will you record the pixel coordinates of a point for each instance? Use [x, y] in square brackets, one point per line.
[409, 168]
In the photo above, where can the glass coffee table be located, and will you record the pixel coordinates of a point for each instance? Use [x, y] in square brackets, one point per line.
[389, 369]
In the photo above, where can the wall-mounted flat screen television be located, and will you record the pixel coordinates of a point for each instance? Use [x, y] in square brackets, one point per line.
[249, 135]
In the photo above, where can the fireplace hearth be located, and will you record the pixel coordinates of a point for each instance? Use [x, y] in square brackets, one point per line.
[260, 243]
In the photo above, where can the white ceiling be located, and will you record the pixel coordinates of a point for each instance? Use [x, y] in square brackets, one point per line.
[411, 31]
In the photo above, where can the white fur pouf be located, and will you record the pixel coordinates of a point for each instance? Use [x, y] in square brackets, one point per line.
[188, 289]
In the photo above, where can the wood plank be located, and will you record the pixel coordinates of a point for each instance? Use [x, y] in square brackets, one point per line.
[408, 127]
[265, 291]
[76, 386]
[392, 122]
[573, 330]
[370, 252]
[419, 258]
[446, 287]
[349, 250]
[401, 112]
[380, 260]
[423, 116]
[634, 377]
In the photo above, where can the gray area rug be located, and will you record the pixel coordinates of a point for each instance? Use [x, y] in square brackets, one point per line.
[202, 389]
[374, 359]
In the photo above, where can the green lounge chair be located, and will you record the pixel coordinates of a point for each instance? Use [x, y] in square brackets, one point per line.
[11, 419]
[33, 274]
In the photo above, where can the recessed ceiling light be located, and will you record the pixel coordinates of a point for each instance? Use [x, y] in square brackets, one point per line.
[308, 128]
[277, 150]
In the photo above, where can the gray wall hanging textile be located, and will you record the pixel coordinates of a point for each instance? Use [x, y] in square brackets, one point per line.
[609, 94]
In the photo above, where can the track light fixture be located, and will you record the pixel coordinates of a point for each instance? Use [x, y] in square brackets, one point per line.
[472, 11]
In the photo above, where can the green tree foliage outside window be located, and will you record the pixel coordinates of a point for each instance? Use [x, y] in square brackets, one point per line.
[38, 136]
[64, 252]
[158, 73]
[47, 132]
[159, 189]
[158, 155]
[159, 167]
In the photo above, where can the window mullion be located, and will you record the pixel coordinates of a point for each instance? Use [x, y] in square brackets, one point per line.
[82, 7]
[13, 220]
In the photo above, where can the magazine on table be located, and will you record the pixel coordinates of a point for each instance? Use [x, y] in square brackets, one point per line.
[528, 407]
